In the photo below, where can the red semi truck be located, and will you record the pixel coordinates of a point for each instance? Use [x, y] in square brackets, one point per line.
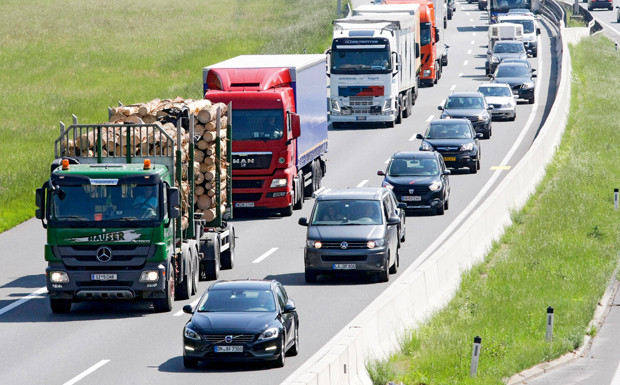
[280, 116]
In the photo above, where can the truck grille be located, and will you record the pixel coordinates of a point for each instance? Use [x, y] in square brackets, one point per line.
[247, 183]
[248, 161]
[120, 255]
[249, 197]
[360, 101]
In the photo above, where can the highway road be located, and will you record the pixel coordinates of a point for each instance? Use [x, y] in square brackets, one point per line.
[127, 343]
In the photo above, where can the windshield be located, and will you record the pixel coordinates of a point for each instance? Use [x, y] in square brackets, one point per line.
[425, 33]
[352, 56]
[495, 91]
[505, 5]
[237, 300]
[94, 203]
[257, 124]
[465, 102]
[413, 167]
[347, 212]
[528, 25]
[512, 71]
[448, 131]
[508, 48]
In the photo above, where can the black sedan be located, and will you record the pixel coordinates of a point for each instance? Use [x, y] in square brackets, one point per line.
[469, 105]
[455, 140]
[520, 79]
[243, 320]
[419, 179]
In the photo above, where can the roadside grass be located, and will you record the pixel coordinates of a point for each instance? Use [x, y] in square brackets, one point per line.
[63, 57]
[572, 21]
[561, 251]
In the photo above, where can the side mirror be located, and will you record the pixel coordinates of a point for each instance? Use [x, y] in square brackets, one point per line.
[534, 76]
[381, 173]
[40, 202]
[419, 136]
[401, 205]
[289, 307]
[447, 172]
[537, 31]
[490, 76]
[393, 221]
[479, 135]
[436, 34]
[489, 108]
[440, 107]
[295, 125]
[188, 309]
[174, 202]
[303, 221]
[533, 69]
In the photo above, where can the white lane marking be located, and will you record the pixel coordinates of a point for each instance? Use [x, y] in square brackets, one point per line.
[466, 62]
[362, 183]
[469, 52]
[430, 118]
[412, 138]
[23, 300]
[453, 88]
[467, 13]
[608, 26]
[181, 312]
[271, 251]
[320, 190]
[473, 42]
[474, 32]
[616, 378]
[461, 74]
[471, 21]
[86, 372]
[388, 159]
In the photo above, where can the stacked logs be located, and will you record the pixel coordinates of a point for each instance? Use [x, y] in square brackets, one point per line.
[146, 141]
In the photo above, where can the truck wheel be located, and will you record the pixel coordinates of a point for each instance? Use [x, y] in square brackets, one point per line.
[316, 179]
[184, 287]
[299, 191]
[399, 114]
[195, 264]
[287, 211]
[227, 258]
[60, 305]
[445, 23]
[165, 304]
[210, 265]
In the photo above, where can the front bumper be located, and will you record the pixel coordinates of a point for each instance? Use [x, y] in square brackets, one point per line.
[503, 113]
[523, 93]
[460, 160]
[330, 260]
[431, 200]
[252, 351]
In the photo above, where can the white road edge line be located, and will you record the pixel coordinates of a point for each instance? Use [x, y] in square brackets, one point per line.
[469, 52]
[412, 137]
[193, 304]
[86, 372]
[616, 378]
[431, 117]
[271, 251]
[23, 300]
[362, 183]
[453, 88]
[466, 62]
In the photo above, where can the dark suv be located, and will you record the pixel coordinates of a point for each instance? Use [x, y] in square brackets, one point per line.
[354, 229]
[419, 179]
[455, 140]
[469, 105]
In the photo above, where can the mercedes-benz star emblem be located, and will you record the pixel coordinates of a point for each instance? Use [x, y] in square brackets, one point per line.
[228, 339]
[104, 254]
[344, 245]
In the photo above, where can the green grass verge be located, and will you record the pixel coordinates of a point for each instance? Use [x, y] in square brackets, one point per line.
[63, 57]
[571, 21]
[561, 251]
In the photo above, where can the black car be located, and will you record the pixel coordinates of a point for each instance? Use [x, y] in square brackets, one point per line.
[455, 140]
[354, 229]
[469, 105]
[504, 49]
[419, 179]
[519, 77]
[242, 320]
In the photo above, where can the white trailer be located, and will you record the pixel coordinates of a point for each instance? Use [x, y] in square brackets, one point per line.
[374, 68]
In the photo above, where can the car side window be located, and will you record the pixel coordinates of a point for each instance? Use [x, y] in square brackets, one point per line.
[281, 294]
[386, 206]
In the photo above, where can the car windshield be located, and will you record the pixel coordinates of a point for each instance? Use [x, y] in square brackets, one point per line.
[237, 300]
[257, 124]
[495, 91]
[413, 167]
[508, 48]
[473, 102]
[347, 212]
[448, 131]
[512, 72]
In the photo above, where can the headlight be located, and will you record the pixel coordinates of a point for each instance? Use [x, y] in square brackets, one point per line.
[445, 116]
[467, 147]
[149, 276]
[386, 184]
[59, 277]
[528, 85]
[426, 73]
[314, 244]
[375, 243]
[508, 105]
[279, 182]
[269, 334]
[335, 105]
[425, 146]
[494, 59]
[387, 105]
[191, 334]
[436, 185]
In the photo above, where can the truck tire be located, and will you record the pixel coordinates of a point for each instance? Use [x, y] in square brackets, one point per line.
[162, 305]
[184, 286]
[399, 114]
[195, 263]
[210, 264]
[287, 211]
[60, 306]
[316, 179]
[227, 258]
[299, 191]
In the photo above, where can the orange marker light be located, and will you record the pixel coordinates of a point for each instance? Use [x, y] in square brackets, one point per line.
[65, 164]
[147, 164]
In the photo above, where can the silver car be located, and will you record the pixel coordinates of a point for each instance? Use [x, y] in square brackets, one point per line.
[499, 95]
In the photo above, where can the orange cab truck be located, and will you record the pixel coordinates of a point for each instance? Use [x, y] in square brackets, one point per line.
[434, 53]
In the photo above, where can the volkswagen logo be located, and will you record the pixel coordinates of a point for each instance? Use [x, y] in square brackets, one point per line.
[104, 254]
[228, 339]
[344, 245]
[410, 191]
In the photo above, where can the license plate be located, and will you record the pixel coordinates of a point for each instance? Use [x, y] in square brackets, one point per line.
[103, 277]
[229, 349]
[360, 118]
[414, 198]
[244, 204]
[449, 158]
[344, 266]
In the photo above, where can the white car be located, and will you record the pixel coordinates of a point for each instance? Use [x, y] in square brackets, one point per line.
[499, 95]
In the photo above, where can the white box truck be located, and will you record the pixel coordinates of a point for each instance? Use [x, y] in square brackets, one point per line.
[374, 68]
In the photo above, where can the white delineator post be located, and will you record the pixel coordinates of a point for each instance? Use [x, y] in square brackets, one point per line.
[549, 335]
[475, 355]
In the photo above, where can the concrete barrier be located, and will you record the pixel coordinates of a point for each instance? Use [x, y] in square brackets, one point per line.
[420, 290]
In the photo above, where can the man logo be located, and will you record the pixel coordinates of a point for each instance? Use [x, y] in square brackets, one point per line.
[104, 254]
[344, 245]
